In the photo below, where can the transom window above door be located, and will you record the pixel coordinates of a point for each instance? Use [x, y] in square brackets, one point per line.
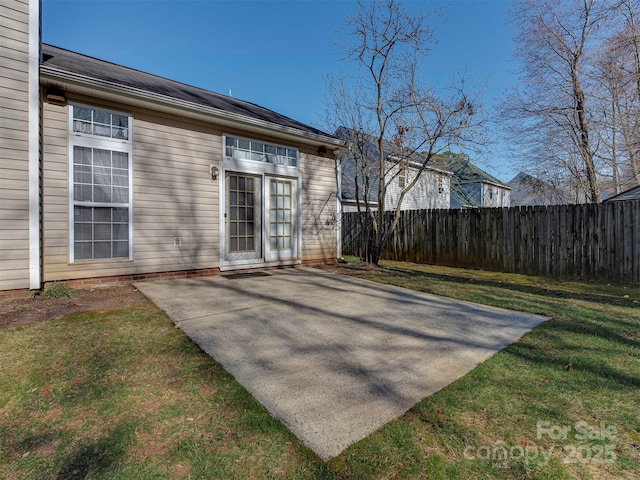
[256, 151]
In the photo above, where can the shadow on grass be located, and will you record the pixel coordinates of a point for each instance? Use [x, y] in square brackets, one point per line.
[98, 456]
[616, 378]
[568, 319]
[549, 298]
[33, 441]
[597, 329]
[532, 290]
[91, 384]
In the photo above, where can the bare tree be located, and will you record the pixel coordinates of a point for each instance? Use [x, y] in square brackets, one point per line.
[390, 113]
[609, 93]
[621, 73]
[548, 114]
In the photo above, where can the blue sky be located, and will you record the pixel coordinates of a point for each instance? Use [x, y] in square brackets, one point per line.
[273, 53]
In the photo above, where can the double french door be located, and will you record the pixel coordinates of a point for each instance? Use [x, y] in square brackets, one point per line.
[260, 218]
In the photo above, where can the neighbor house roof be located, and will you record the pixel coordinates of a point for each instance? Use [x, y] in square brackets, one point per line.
[393, 152]
[66, 65]
[466, 172]
[458, 199]
[631, 194]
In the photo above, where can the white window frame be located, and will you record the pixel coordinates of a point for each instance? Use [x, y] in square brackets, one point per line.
[78, 139]
[265, 143]
[402, 177]
[264, 170]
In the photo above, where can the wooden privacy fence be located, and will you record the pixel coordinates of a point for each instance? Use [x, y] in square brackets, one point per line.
[588, 241]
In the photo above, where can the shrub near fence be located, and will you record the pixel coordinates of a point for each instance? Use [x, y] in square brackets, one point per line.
[587, 241]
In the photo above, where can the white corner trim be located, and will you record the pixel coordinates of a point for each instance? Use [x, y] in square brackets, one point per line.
[338, 208]
[34, 145]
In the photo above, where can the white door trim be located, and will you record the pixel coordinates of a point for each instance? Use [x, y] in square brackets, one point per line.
[264, 171]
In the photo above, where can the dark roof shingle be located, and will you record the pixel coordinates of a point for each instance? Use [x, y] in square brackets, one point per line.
[631, 194]
[76, 63]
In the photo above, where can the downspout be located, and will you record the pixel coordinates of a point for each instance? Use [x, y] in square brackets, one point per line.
[35, 212]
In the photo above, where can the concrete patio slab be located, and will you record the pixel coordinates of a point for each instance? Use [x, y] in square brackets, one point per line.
[334, 358]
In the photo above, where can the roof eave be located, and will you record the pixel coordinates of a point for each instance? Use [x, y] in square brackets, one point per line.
[499, 185]
[220, 117]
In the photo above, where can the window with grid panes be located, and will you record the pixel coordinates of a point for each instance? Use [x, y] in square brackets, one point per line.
[256, 151]
[101, 184]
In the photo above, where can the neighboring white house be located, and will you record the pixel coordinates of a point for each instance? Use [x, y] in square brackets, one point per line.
[472, 186]
[432, 190]
[110, 174]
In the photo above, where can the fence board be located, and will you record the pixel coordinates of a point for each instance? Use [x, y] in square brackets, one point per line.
[589, 242]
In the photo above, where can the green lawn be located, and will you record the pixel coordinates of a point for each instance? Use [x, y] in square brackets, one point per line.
[124, 394]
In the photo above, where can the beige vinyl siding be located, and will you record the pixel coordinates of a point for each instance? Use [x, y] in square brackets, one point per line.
[14, 145]
[319, 208]
[173, 196]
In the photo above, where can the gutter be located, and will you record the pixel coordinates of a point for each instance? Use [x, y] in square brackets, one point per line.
[81, 83]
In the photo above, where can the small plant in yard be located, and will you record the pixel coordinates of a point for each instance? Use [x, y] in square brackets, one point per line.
[57, 290]
[140, 400]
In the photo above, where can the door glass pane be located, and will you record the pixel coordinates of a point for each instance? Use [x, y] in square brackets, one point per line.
[241, 205]
[280, 218]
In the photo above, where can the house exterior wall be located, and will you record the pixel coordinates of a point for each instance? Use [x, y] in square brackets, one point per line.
[319, 209]
[495, 196]
[484, 194]
[173, 196]
[431, 191]
[18, 134]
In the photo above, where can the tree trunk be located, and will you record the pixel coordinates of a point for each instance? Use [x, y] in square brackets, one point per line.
[592, 192]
